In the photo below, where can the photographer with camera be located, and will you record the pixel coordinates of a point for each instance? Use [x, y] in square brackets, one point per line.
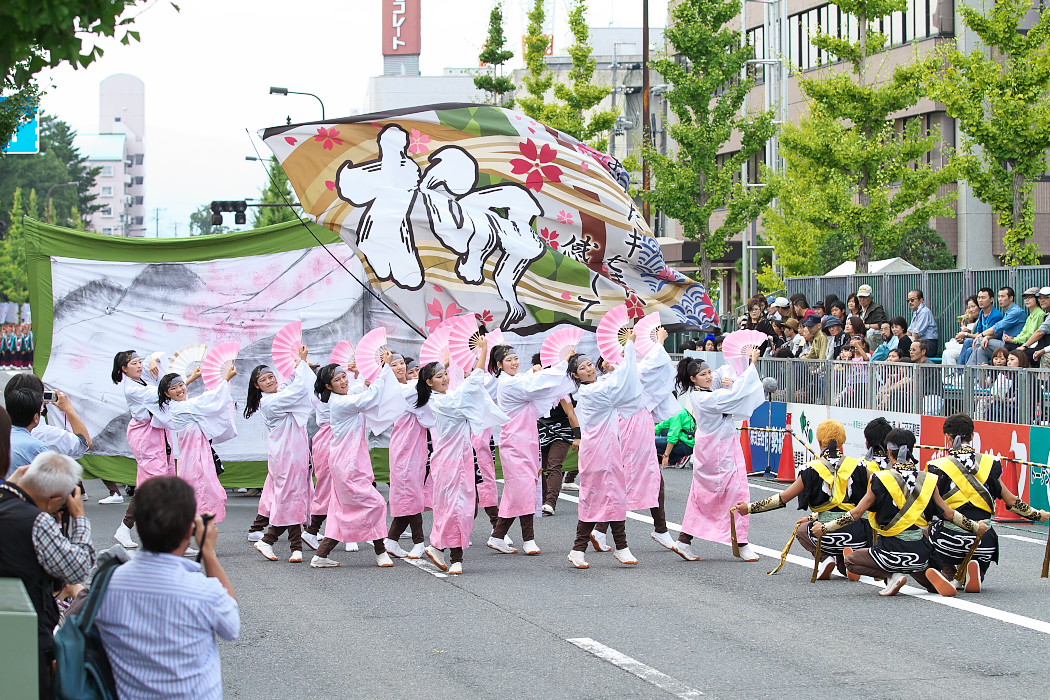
[24, 406]
[36, 548]
[159, 616]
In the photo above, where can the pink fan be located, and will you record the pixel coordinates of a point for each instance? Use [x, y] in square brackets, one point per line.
[218, 360]
[342, 353]
[737, 347]
[369, 351]
[645, 333]
[556, 345]
[286, 346]
[610, 334]
[464, 336]
[436, 344]
[187, 359]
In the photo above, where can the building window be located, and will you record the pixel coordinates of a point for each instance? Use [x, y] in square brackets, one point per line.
[139, 199]
[137, 180]
[138, 158]
[106, 211]
[139, 220]
[107, 191]
[107, 171]
[108, 230]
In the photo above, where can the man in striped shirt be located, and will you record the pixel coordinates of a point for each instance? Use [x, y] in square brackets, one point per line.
[159, 616]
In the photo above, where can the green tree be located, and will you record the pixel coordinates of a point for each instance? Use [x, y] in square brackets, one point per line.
[40, 172]
[200, 223]
[278, 191]
[495, 55]
[706, 97]
[58, 137]
[39, 35]
[1002, 102]
[572, 109]
[14, 270]
[870, 182]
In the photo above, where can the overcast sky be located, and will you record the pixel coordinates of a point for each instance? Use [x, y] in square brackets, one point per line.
[209, 67]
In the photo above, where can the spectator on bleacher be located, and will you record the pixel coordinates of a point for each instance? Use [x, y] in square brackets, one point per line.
[818, 309]
[800, 305]
[1035, 347]
[917, 352]
[999, 400]
[931, 381]
[781, 309]
[988, 317]
[836, 339]
[1036, 316]
[830, 300]
[923, 325]
[838, 310]
[895, 355]
[689, 345]
[755, 320]
[855, 326]
[967, 321]
[872, 313]
[888, 343]
[809, 333]
[792, 337]
[896, 381]
[852, 305]
[1011, 324]
[899, 331]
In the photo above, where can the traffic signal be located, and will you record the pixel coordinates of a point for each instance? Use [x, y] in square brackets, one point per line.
[238, 207]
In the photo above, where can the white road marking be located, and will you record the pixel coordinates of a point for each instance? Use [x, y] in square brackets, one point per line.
[636, 668]
[427, 566]
[1021, 538]
[766, 488]
[807, 562]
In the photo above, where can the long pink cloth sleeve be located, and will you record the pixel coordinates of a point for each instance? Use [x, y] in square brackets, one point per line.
[719, 471]
[523, 397]
[603, 485]
[638, 430]
[149, 444]
[408, 457]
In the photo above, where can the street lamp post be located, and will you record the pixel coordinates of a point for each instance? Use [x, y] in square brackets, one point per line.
[286, 92]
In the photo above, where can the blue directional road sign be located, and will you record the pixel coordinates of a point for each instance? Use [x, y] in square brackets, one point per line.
[26, 139]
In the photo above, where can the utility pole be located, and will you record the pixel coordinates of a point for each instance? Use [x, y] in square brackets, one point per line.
[647, 134]
[156, 221]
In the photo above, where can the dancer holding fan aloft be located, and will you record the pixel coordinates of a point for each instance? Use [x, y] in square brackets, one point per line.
[356, 510]
[603, 486]
[198, 422]
[523, 396]
[719, 471]
[285, 502]
[459, 414]
[149, 445]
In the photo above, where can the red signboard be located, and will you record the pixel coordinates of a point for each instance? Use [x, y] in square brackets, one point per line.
[401, 27]
[1005, 440]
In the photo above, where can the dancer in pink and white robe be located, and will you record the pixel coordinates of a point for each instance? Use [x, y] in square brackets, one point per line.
[603, 485]
[356, 511]
[198, 423]
[524, 396]
[319, 449]
[460, 412]
[149, 445]
[719, 471]
[285, 501]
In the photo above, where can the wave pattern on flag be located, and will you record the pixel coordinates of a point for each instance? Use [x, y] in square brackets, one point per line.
[458, 207]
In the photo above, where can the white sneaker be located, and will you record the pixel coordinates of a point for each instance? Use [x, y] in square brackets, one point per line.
[624, 556]
[456, 569]
[322, 562]
[266, 550]
[123, 536]
[406, 535]
[111, 499]
[256, 536]
[437, 556]
[548, 509]
[310, 540]
[531, 548]
[663, 539]
[394, 548]
[351, 546]
[296, 558]
[748, 554]
[508, 541]
[685, 551]
[894, 584]
[191, 552]
[571, 486]
[500, 546]
[598, 540]
[416, 552]
[577, 560]
[384, 560]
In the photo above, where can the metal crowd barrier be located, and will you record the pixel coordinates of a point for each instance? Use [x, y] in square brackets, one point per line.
[1005, 395]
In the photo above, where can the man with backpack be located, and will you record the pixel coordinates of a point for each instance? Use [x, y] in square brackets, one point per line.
[45, 552]
[159, 616]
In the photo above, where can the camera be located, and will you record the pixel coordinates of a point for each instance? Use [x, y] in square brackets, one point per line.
[50, 395]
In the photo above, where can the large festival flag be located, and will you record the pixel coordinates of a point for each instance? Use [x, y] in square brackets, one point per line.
[461, 207]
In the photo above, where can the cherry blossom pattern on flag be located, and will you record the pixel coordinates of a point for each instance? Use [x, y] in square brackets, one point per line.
[418, 143]
[538, 163]
[329, 138]
[437, 313]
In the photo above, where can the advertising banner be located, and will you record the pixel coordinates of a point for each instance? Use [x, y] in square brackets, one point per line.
[766, 447]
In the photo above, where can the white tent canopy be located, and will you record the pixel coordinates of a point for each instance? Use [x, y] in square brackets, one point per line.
[889, 265]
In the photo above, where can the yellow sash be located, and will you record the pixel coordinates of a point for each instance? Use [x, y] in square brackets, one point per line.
[912, 506]
[968, 488]
[838, 481]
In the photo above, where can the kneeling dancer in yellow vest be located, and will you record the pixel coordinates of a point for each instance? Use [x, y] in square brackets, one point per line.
[900, 502]
[830, 486]
[970, 483]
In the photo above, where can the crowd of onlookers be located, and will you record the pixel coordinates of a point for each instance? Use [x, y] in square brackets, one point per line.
[157, 616]
[16, 346]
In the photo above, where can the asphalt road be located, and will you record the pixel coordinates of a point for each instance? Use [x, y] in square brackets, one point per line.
[719, 626]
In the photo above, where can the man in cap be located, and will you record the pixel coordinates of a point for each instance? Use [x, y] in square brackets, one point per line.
[1036, 316]
[873, 314]
[819, 351]
[780, 308]
[837, 339]
[993, 338]
[1036, 344]
[923, 326]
